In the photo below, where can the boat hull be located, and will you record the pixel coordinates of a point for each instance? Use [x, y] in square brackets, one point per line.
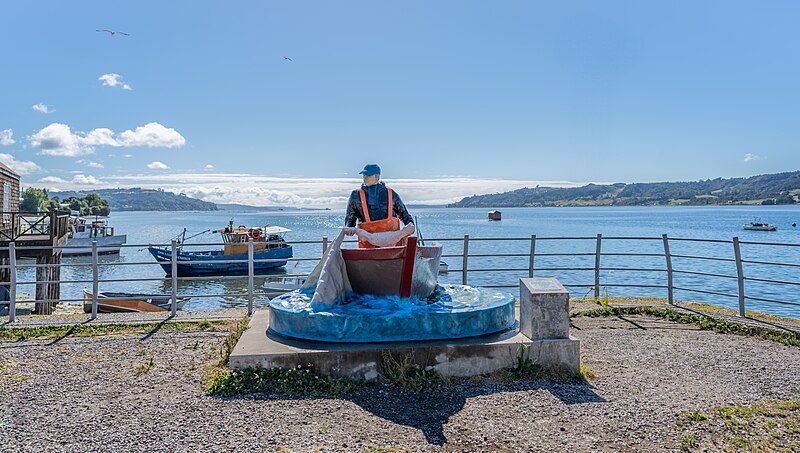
[106, 245]
[379, 271]
[215, 263]
[129, 303]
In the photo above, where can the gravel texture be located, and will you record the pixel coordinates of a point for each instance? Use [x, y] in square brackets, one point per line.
[84, 394]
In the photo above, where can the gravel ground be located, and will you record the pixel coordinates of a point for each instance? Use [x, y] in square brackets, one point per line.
[83, 394]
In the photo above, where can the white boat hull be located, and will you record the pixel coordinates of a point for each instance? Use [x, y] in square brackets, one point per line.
[105, 245]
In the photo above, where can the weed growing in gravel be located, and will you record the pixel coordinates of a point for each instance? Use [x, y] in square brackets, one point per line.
[376, 449]
[24, 333]
[227, 345]
[324, 428]
[767, 426]
[525, 369]
[291, 382]
[404, 373]
[702, 321]
[143, 368]
[9, 374]
[194, 346]
[688, 441]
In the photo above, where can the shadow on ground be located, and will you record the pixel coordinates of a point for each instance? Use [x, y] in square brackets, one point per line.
[429, 410]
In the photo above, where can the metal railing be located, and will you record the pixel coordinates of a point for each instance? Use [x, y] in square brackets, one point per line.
[468, 254]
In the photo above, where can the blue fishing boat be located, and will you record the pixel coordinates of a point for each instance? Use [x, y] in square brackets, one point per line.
[268, 244]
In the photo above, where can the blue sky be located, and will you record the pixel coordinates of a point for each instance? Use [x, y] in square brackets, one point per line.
[474, 96]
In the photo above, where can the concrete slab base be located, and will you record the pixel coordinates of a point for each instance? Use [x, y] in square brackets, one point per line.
[451, 358]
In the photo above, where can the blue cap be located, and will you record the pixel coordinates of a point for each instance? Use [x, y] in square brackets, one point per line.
[371, 169]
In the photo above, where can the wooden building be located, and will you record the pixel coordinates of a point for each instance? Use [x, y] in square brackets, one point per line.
[29, 230]
[495, 215]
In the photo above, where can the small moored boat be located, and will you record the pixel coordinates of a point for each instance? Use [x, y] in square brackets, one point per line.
[270, 250]
[757, 225]
[82, 232]
[286, 284]
[115, 302]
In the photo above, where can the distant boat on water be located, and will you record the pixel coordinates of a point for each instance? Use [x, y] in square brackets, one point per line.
[83, 231]
[268, 244]
[757, 225]
[129, 302]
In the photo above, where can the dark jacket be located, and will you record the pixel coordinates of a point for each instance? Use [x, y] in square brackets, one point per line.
[378, 203]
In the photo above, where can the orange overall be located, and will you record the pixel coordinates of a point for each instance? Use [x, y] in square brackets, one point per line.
[391, 223]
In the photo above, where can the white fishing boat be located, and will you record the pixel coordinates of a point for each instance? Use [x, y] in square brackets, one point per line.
[83, 231]
[757, 225]
[285, 285]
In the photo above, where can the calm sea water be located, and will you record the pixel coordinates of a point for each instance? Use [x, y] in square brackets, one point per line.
[678, 222]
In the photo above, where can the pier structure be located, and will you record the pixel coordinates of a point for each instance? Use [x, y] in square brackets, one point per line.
[36, 235]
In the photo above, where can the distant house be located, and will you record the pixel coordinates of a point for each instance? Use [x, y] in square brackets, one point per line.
[495, 215]
[9, 193]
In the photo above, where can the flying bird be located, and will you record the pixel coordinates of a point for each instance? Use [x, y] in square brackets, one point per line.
[112, 32]
[287, 58]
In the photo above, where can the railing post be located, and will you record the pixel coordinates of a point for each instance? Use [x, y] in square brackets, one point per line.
[174, 272]
[597, 267]
[324, 245]
[95, 280]
[465, 262]
[669, 269]
[533, 254]
[739, 275]
[250, 274]
[12, 282]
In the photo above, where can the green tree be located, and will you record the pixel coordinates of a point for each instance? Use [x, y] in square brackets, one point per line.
[33, 200]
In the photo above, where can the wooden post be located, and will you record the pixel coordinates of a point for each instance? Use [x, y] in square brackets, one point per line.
[49, 287]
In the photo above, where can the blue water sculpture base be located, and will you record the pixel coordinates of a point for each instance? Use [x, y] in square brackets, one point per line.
[454, 311]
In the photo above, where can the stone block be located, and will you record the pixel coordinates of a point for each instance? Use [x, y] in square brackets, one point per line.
[543, 309]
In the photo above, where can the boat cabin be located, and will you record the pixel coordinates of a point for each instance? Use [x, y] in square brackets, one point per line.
[495, 215]
[80, 227]
[235, 239]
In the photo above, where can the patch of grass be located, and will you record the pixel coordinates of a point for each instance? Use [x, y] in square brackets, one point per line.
[143, 368]
[9, 373]
[227, 345]
[702, 321]
[404, 373]
[695, 416]
[89, 330]
[766, 426]
[290, 382]
[525, 369]
[376, 449]
[688, 441]
[324, 428]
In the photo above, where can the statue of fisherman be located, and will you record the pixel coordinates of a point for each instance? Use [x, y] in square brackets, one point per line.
[377, 208]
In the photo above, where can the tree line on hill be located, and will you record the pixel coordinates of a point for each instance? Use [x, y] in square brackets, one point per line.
[770, 189]
[38, 200]
[135, 199]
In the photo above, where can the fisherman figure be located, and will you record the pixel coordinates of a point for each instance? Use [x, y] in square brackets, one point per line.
[377, 208]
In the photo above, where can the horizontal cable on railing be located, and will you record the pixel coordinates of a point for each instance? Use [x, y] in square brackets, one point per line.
[769, 263]
[782, 302]
[635, 238]
[703, 273]
[719, 241]
[492, 255]
[499, 270]
[769, 243]
[643, 269]
[630, 285]
[695, 257]
[563, 269]
[704, 291]
[766, 280]
[562, 254]
[629, 254]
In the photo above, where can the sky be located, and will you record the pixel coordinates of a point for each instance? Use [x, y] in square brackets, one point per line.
[282, 103]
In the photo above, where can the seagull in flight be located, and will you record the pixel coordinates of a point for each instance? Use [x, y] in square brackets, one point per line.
[287, 58]
[112, 32]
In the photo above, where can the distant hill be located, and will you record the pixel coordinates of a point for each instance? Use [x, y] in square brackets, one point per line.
[143, 200]
[778, 188]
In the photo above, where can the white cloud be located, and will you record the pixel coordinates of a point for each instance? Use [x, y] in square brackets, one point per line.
[153, 135]
[90, 163]
[128, 155]
[53, 179]
[23, 167]
[85, 180]
[42, 108]
[57, 139]
[6, 137]
[113, 80]
[157, 166]
[314, 192]
[209, 167]
[749, 157]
